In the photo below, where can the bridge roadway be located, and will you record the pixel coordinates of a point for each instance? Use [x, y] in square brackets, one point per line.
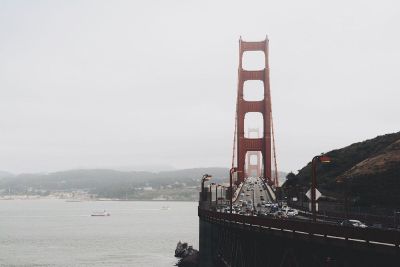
[253, 191]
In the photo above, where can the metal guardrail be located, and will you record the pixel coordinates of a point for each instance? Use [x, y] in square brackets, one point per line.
[368, 235]
[387, 221]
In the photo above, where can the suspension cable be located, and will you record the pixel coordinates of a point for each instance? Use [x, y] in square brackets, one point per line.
[276, 182]
[235, 130]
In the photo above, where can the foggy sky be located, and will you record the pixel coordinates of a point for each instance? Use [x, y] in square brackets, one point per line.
[110, 84]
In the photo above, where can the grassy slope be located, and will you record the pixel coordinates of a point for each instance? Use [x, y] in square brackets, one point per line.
[370, 171]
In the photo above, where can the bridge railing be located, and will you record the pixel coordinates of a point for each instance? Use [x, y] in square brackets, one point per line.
[368, 235]
[386, 221]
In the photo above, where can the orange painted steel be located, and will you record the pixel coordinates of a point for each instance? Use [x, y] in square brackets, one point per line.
[262, 144]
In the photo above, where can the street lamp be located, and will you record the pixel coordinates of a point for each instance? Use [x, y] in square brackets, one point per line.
[231, 172]
[210, 185]
[345, 192]
[206, 177]
[322, 159]
[222, 194]
[216, 193]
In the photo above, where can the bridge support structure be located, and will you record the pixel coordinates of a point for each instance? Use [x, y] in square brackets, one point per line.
[263, 144]
[242, 243]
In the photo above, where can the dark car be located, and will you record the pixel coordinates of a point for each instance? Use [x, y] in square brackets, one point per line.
[353, 223]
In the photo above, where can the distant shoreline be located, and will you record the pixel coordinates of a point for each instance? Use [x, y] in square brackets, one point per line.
[157, 200]
[103, 199]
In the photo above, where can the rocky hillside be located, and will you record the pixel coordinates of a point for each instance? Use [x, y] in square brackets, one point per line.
[368, 171]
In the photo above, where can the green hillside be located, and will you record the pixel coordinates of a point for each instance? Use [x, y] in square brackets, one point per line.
[368, 171]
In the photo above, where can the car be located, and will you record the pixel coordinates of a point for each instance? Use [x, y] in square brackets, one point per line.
[274, 208]
[353, 223]
[258, 204]
[291, 212]
[242, 194]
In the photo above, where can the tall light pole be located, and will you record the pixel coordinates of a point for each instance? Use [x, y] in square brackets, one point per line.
[210, 185]
[206, 177]
[231, 172]
[322, 159]
[343, 182]
[216, 194]
[254, 200]
[222, 195]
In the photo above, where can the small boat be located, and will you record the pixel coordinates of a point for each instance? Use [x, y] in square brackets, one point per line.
[164, 208]
[100, 213]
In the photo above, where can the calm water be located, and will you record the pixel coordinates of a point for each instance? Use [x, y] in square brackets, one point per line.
[60, 233]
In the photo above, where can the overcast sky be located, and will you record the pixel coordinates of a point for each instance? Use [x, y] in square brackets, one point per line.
[89, 84]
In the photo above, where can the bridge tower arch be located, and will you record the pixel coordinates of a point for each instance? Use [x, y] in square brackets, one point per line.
[245, 144]
[253, 168]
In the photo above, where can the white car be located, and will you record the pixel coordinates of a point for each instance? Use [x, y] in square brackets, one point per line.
[291, 212]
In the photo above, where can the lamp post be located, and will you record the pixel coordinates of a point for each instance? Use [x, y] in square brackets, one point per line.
[210, 185]
[254, 201]
[345, 196]
[206, 177]
[216, 195]
[231, 172]
[322, 159]
[222, 195]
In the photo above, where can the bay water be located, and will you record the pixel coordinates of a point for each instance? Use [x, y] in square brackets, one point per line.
[52, 232]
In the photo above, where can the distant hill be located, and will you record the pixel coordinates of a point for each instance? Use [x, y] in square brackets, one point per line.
[369, 171]
[108, 183]
[175, 185]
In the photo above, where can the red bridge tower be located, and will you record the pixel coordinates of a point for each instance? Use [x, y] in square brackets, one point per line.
[263, 144]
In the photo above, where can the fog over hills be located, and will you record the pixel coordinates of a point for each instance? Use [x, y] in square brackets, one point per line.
[4, 174]
[106, 183]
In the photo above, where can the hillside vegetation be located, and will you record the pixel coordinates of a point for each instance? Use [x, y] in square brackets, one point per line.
[368, 172]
